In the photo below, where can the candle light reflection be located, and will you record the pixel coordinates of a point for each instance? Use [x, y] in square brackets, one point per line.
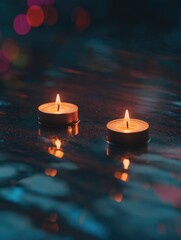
[56, 149]
[51, 223]
[51, 172]
[123, 176]
[72, 130]
[126, 163]
[118, 197]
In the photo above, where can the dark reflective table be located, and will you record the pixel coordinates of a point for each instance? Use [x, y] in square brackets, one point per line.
[84, 188]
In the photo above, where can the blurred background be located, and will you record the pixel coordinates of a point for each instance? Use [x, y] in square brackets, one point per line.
[85, 34]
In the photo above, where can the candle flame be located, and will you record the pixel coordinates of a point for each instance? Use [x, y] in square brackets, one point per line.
[126, 163]
[58, 143]
[58, 101]
[127, 118]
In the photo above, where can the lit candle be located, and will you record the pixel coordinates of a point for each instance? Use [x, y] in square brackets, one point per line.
[57, 113]
[127, 131]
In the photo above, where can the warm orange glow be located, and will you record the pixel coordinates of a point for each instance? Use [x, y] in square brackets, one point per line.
[73, 130]
[56, 151]
[58, 101]
[126, 163]
[117, 175]
[58, 143]
[124, 177]
[59, 154]
[51, 172]
[121, 176]
[70, 130]
[118, 197]
[127, 119]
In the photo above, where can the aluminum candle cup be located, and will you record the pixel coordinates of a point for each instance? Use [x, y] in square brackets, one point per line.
[127, 131]
[57, 114]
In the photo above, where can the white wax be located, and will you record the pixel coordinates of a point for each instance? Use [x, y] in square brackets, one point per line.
[135, 125]
[52, 108]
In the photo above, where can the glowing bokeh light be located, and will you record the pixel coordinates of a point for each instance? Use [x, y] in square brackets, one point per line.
[51, 15]
[10, 49]
[35, 16]
[21, 25]
[4, 63]
[82, 19]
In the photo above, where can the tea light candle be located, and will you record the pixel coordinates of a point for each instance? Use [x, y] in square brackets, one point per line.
[127, 131]
[57, 113]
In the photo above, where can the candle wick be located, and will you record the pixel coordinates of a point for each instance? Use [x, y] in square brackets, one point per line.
[58, 107]
[127, 124]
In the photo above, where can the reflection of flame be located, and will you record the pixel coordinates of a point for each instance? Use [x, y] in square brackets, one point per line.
[51, 223]
[117, 175]
[56, 151]
[58, 143]
[51, 172]
[107, 151]
[118, 197]
[126, 163]
[73, 130]
[121, 176]
[124, 177]
[59, 153]
[39, 132]
[127, 118]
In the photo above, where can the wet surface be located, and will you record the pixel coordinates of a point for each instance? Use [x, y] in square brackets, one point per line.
[88, 189]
